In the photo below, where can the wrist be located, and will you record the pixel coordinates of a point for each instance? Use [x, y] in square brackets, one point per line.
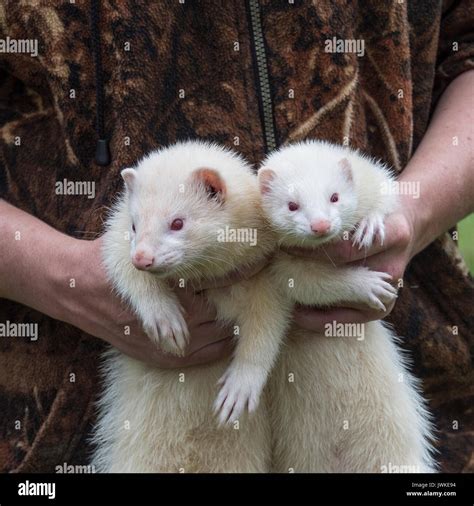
[417, 222]
[418, 210]
[54, 274]
[70, 281]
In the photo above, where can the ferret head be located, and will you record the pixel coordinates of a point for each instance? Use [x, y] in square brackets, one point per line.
[308, 194]
[178, 199]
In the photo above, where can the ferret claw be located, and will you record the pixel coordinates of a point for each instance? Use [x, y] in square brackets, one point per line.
[377, 292]
[170, 332]
[368, 229]
[241, 388]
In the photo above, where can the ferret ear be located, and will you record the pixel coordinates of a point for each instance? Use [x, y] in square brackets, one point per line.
[129, 176]
[265, 178]
[346, 168]
[212, 182]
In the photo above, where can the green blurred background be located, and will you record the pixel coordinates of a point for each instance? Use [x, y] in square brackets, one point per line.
[466, 240]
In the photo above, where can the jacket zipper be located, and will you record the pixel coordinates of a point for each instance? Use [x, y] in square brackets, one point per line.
[261, 68]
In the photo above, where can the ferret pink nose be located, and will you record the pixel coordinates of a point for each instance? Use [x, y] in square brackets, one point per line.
[142, 261]
[321, 227]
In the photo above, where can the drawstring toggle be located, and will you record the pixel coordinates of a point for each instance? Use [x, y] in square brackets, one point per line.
[102, 152]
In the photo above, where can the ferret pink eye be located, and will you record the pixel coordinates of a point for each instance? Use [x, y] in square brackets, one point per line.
[293, 206]
[177, 224]
[334, 197]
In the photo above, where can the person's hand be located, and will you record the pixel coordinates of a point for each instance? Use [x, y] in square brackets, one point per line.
[392, 257]
[63, 278]
[442, 169]
[91, 306]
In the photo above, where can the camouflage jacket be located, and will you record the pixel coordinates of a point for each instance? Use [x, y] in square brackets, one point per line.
[251, 75]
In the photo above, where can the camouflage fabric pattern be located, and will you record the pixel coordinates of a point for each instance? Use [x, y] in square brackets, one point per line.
[174, 71]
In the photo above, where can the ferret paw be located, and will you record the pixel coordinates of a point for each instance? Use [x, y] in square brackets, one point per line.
[170, 332]
[368, 230]
[376, 291]
[241, 388]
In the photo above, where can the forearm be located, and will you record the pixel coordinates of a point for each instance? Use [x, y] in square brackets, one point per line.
[31, 258]
[37, 264]
[443, 165]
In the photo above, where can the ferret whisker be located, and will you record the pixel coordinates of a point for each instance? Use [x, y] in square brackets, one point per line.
[327, 254]
[87, 233]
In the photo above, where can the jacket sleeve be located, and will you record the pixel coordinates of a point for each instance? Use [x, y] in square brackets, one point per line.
[456, 43]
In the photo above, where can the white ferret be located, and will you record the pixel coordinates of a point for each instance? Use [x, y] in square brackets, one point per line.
[338, 404]
[178, 203]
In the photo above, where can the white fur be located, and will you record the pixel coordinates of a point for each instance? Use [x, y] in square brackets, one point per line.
[154, 420]
[338, 404]
[351, 406]
[309, 173]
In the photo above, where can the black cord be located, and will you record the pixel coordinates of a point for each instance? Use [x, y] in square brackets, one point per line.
[102, 154]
